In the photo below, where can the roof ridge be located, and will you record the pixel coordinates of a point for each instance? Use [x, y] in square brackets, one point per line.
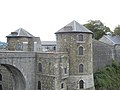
[109, 38]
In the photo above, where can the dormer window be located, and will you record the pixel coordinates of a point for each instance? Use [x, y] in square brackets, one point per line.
[14, 33]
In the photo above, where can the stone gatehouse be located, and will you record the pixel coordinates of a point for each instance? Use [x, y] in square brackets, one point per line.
[25, 66]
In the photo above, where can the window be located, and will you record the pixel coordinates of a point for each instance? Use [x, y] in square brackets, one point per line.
[0, 87]
[39, 85]
[25, 46]
[0, 77]
[18, 46]
[47, 47]
[81, 84]
[62, 85]
[65, 70]
[40, 67]
[80, 37]
[80, 68]
[80, 50]
[54, 48]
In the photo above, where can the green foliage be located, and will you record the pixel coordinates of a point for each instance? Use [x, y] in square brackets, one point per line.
[108, 78]
[98, 28]
[117, 30]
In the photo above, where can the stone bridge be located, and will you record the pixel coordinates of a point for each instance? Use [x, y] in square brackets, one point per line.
[22, 66]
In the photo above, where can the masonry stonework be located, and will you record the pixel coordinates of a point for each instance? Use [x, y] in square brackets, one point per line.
[69, 41]
[6, 78]
[70, 67]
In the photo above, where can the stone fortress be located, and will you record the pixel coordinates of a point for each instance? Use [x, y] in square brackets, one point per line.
[67, 64]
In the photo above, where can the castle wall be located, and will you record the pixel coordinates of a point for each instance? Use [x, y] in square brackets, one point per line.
[52, 74]
[117, 52]
[22, 66]
[103, 54]
[88, 82]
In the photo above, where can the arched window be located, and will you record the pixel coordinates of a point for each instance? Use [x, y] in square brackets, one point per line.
[62, 85]
[80, 68]
[0, 87]
[0, 80]
[80, 37]
[65, 70]
[81, 84]
[40, 67]
[0, 77]
[80, 50]
[39, 85]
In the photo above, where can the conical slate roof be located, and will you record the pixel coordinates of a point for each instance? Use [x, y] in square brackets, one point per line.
[73, 27]
[20, 33]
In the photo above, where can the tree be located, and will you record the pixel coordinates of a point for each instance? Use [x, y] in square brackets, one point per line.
[117, 30]
[108, 77]
[98, 28]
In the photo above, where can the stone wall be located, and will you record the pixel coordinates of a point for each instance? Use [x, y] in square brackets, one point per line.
[52, 74]
[7, 78]
[20, 44]
[71, 43]
[54, 64]
[47, 82]
[22, 66]
[103, 54]
[68, 42]
[117, 52]
[89, 83]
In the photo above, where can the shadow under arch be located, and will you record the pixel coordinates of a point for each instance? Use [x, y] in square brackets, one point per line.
[18, 78]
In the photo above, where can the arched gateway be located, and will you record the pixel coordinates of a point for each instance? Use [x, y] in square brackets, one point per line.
[20, 65]
[30, 68]
[17, 78]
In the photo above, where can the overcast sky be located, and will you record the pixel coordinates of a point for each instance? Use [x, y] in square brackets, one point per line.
[42, 18]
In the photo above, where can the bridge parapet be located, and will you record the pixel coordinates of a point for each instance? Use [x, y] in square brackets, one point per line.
[22, 66]
[17, 54]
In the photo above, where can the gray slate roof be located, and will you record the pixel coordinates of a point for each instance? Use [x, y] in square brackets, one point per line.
[114, 39]
[20, 33]
[48, 43]
[74, 27]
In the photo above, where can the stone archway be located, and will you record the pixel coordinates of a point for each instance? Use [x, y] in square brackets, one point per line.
[18, 78]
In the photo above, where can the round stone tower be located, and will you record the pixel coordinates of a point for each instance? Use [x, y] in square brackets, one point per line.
[77, 41]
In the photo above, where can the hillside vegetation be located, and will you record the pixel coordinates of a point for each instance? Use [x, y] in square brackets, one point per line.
[108, 78]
